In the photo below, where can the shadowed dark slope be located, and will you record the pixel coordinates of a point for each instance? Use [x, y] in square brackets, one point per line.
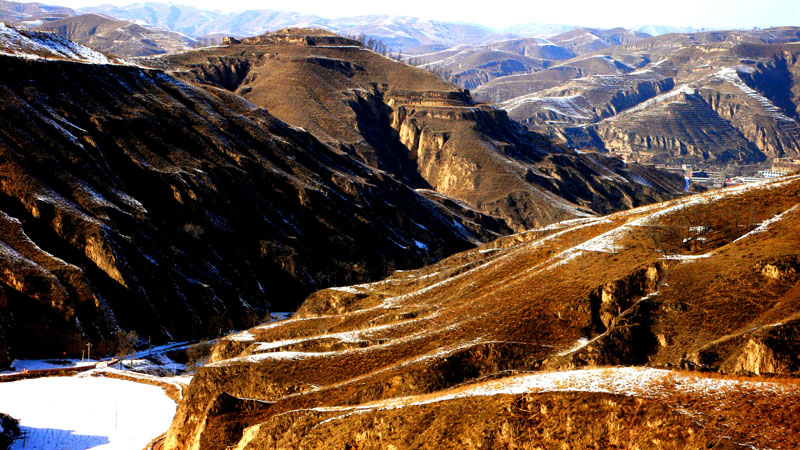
[133, 200]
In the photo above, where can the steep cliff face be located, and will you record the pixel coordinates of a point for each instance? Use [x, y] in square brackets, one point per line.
[527, 189]
[513, 332]
[718, 121]
[426, 132]
[129, 199]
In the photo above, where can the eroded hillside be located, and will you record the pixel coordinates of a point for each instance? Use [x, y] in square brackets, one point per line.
[129, 199]
[583, 332]
[119, 37]
[427, 132]
[715, 98]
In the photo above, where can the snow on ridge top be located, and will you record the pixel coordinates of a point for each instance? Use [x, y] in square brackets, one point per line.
[674, 92]
[49, 46]
[572, 105]
[244, 336]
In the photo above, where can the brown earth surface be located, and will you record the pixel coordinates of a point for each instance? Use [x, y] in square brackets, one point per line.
[707, 99]
[674, 325]
[428, 133]
[119, 37]
[129, 199]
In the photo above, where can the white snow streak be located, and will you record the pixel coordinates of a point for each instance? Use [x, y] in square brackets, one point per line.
[731, 75]
[41, 45]
[765, 224]
[630, 381]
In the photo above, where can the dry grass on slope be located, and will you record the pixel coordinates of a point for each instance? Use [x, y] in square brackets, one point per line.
[638, 288]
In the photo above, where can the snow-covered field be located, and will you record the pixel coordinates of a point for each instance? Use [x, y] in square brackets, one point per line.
[38, 364]
[79, 413]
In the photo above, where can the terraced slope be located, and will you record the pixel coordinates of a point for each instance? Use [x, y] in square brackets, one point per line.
[578, 333]
[704, 99]
[119, 37]
[123, 38]
[428, 133]
[129, 199]
[472, 66]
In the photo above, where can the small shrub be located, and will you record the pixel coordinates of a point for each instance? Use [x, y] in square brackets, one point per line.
[197, 355]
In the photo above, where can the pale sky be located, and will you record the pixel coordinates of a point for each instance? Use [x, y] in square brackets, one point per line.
[502, 13]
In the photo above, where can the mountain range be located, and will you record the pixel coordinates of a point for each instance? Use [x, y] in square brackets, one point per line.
[723, 99]
[399, 33]
[410, 123]
[111, 219]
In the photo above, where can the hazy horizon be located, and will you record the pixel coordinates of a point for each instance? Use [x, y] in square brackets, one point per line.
[714, 14]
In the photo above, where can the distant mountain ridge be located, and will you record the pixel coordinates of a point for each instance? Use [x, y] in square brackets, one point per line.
[721, 98]
[101, 32]
[120, 37]
[399, 33]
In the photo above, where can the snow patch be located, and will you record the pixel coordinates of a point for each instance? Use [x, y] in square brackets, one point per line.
[682, 89]
[686, 258]
[571, 106]
[37, 364]
[731, 75]
[42, 45]
[244, 336]
[629, 381]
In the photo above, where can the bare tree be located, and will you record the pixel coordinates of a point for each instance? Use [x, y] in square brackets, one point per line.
[197, 355]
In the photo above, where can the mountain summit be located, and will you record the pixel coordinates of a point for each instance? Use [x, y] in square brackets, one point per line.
[423, 130]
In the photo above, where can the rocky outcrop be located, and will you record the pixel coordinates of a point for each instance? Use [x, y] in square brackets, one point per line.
[441, 159]
[783, 269]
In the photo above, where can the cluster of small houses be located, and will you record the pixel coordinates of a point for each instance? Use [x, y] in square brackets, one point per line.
[780, 167]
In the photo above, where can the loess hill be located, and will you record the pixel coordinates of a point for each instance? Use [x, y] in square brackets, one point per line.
[124, 38]
[707, 99]
[119, 37]
[666, 326]
[129, 199]
[426, 132]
